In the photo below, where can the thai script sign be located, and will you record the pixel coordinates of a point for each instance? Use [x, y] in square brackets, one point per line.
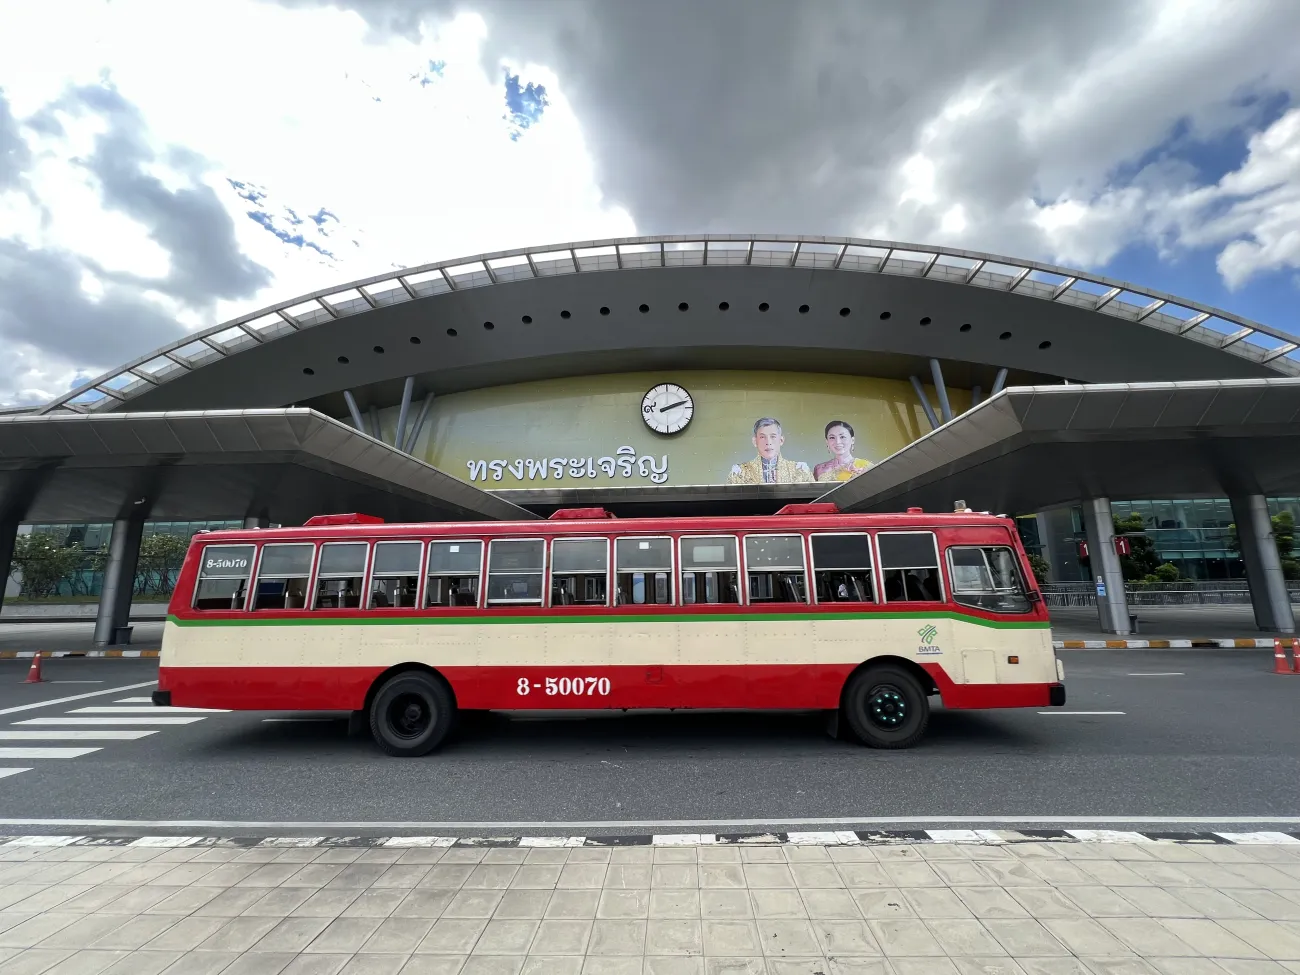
[624, 462]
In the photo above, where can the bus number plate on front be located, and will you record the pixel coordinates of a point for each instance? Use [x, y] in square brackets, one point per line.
[565, 686]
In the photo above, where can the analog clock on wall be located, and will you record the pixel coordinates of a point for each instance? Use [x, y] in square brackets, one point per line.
[667, 408]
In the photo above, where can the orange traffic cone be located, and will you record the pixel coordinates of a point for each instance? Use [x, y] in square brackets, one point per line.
[34, 672]
[1280, 663]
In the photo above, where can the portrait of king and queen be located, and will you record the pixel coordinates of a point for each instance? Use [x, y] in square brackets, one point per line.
[769, 467]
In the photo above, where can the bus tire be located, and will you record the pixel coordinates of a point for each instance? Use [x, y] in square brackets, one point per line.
[411, 714]
[886, 707]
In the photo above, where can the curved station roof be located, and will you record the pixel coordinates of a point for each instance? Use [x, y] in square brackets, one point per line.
[817, 304]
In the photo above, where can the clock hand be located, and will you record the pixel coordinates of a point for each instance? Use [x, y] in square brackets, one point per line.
[672, 406]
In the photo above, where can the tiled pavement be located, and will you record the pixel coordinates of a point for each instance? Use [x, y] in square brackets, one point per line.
[1039, 908]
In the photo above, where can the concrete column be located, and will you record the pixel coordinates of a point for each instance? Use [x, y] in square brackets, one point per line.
[1112, 608]
[1268, 594]
[940, 390]
[925, 402]
[8, 534]
[257, 521]
[353, 411]
[399, 438]
[119, 579]
[999, 381]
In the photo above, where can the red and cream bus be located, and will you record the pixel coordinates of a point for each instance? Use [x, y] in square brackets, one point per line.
[810, 608]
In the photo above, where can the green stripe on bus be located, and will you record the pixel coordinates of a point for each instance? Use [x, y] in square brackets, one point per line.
[254, 620]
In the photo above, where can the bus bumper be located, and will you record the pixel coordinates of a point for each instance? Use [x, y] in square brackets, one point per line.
[1056, 696]
[162, 699]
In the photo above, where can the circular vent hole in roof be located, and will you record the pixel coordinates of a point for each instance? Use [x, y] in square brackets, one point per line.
[379, 349]
[965, 328]
[884, 315]
[763, 306]
[343, 359]
[925, 320]
[415, 340]
[451, 331]
[1044, 345]
[604, 310]
[1004, 336]
[803, 309]
[643, 309]
[723, 306]
[488, 326]
[683, 306]
[844, 313]
[527, 319]
[308, 371]
[565, 314]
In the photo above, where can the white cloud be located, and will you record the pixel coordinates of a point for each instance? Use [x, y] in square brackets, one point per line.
[305, 104]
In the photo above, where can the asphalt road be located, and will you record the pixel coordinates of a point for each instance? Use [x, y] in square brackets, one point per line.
[1220, 739]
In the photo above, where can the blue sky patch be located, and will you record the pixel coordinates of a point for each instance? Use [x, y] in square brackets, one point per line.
[524, 105]
[429, 76]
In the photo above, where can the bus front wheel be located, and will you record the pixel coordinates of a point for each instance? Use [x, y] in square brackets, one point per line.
[411, 714]
[886, 707]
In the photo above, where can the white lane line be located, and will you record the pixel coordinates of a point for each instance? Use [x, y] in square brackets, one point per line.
[110, 721]
[76, 682]
[45, 752]
[1081, 712]
[134, 700]
[4, 772]
[1168, 674]
[149, 710]
[53, 735]
[77, 697]
[633, 825]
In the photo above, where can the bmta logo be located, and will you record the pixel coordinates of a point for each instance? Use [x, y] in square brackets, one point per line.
[927, 633]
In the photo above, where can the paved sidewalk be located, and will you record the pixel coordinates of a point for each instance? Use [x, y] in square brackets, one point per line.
[1040, 908]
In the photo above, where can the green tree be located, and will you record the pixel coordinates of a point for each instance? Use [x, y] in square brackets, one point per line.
[1040, 568]
[1283, 525]
[43, 564]
[161, 556]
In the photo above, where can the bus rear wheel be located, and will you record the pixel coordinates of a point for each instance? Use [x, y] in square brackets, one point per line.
[411, 714]
[886, 707]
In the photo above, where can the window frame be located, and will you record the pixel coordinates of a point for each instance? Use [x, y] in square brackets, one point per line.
[425, 573]
[803, 550]
[421, 574]
[740, 568]
[1015, 561]
[199, 578]
[363, 597]
[311, 576]
[872, 555]
[549, 572]
[938, 566]
[673, 594]
[486, 575]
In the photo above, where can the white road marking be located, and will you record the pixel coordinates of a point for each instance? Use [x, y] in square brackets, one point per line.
[632, 825]
[110, 721]
[1108, 836]
[12, 771]
[53, 735]
[77, 697]
[76, 682]
[148, 710]
[1258, 838]
[1169, 674]
[1081, 712]
[42, 840]
[45, 752]
[134, 700]
[166, 842]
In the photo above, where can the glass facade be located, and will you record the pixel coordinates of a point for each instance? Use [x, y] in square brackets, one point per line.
[1191, 534]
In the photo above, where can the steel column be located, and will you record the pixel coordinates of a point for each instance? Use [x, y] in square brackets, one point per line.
[119, 579]
[976, 394]
[925, 403]
[999, 381]
[353, 411]
[418, 426]
[1112, 602]
[936, 373]
[257, 521]
[1268, 592]
[8, 537]
[399, 437]
[374, 422]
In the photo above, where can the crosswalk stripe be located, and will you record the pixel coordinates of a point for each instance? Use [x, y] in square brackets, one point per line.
[45, 752]
[111, 721]
[148, 710]
[12, 771]
[75, 735]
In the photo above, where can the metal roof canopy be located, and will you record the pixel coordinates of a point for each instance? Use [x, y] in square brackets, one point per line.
[665, 500]
[289, 463]
[1036, 447]
[574, 308]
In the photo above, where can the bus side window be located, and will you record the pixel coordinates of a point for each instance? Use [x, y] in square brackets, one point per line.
[223, 577]
[842, 569]
[710, 570]
[909, 567]
[775, 566]
[453, 573]
[282, 576]
[395, 578]
[580, 572]
[340, 576]
[516, 567]
[987, 577]
[643, 571]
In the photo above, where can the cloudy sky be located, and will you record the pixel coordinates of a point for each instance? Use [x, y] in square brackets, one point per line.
[165, 166]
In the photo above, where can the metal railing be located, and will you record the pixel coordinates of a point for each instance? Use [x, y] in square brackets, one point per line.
[1219, 592]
